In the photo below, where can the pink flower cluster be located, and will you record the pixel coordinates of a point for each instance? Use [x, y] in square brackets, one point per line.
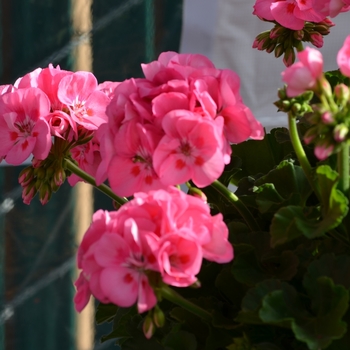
[305, 74]
[293, 14]
[44, 103]
[162, 232]
[174, 125]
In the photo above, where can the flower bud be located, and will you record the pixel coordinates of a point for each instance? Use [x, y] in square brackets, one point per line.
[289, 57]
[316, 39]
[196, 192]
[158, 317]
[342, 93]
[298, 35]
[28, 193]
[26, 176]
[44, 193]
[340, 132]
[276, 32]
[327, 118]
[279, 50]
[148, 327]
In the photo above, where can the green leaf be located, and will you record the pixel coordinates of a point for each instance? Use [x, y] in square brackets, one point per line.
[260, 156]
[286, 179]
[334, 203]
[105, 313]
[317, 330]
[335, 267]
[252, 301]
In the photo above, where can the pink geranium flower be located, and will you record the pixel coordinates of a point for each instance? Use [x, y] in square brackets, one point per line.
[343, 57]
[23, 129]
[87, 105]
[190, 149]
[304, 75]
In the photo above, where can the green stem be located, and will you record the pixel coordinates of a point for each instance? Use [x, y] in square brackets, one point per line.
[68, 164]
[238, 204]
[343, 169]
[299, 151]
[177, 299]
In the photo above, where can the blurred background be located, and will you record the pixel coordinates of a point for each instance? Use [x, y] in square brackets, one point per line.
[110, 38]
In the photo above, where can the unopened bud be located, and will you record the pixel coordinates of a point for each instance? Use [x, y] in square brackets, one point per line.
[316, 39]
[28, 193]
[289, 57]
[296, 108]
[340, 132]
[158, 317]
[196, 192]
[279, 50]
[327, 118]
[276, 32]
[342, 93]
[298, 35]
[26, 176]
[148, 327]
[44, 193]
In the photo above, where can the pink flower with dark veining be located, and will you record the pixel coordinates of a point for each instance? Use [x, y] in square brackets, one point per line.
[303, 75]
[343, 57]
[23, 129]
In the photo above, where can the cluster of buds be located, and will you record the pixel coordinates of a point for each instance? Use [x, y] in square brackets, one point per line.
[43, 177]
[298, 106]
[284, 41]
[330, 128]
[154, 319]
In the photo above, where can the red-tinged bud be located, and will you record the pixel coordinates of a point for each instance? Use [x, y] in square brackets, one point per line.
[316, 39]
[158, 317]
[289, 57]
[322, 29]
[28, 193]
[148, 327]
[342, 93]
[279, 50]
[327, 22]
[298, 35]
[340, 132]
[276, 32]
[59, 177]
[325, 87]
[36, 163]
[44, 193]
[327, 118]
[271, 47]
[26, 176]
[255, 43]
[323, 151]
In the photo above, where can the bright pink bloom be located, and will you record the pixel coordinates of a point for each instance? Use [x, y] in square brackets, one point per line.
[87, 105]
[303, 75]
[131, 169]
[23, 129]
[290, 14]
[88, 158]
[167, 232]
[191, 149]
[343, 57]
